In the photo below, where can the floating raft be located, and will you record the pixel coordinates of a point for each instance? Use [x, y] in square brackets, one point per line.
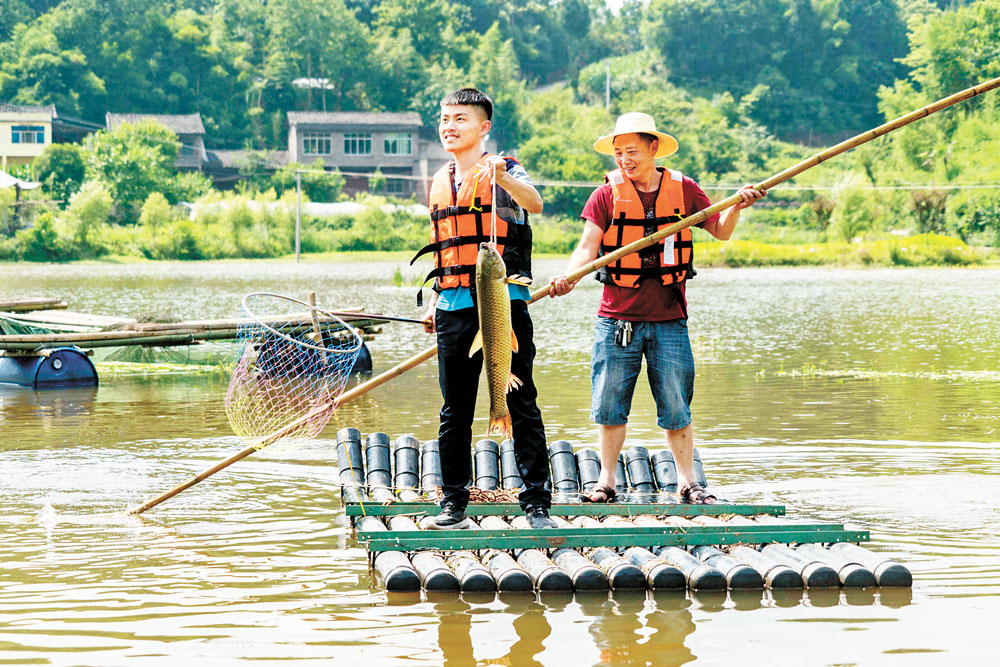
[645, 540]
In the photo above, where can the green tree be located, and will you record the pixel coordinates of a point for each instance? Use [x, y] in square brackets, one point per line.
[61, 167]
[88, 210]
[133, 161]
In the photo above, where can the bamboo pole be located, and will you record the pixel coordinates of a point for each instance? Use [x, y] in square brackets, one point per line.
[271, 438]
[780, 177]
[601, 262]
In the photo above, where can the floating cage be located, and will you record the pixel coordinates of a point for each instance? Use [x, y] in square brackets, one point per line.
[647, 539]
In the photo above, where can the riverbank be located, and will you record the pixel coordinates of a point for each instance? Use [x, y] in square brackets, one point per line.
[922, 250]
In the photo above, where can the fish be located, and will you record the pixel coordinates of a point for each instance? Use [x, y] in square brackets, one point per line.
[496, 335]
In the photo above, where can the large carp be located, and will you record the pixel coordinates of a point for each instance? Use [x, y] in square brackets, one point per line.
[496, 335]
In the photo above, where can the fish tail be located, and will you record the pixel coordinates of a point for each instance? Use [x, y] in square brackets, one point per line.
[501, 426]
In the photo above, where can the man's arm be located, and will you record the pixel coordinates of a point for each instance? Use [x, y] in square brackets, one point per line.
[524, 194]
[586, 252]
[722, 227]
[430, 324]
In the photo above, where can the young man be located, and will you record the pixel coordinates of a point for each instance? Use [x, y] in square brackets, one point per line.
[643, 309]
[461, 202]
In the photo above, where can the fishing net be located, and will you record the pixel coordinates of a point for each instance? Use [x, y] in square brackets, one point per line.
[294, 361]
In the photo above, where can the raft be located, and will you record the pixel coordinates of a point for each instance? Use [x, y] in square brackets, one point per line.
[646, 539]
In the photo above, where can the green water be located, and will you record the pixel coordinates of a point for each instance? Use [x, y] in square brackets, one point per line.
[867, 397]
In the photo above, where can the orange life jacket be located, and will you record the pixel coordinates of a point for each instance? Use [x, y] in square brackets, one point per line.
[628, 225]
[461, 221]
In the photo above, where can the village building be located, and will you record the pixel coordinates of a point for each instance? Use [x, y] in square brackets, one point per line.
[189, 130]
[26, 130]
[359, 143]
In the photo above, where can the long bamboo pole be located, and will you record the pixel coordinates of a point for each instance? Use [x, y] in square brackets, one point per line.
[599, 263]
[780, 177]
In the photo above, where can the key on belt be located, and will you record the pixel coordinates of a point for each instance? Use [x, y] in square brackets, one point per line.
[623, 332]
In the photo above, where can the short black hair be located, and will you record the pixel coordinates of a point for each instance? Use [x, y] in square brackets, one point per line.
[648, 138]
[471, 97]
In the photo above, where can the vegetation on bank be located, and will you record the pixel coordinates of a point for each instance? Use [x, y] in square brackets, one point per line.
[841, 67]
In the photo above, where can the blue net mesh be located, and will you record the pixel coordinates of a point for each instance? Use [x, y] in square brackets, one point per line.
[295, 360]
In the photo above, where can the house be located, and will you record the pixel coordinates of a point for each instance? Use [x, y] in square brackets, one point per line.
[188, 128]
[25, 131]
[362, 142]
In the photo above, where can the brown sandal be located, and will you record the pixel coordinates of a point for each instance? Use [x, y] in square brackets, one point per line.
[599, 494]
[695, 494]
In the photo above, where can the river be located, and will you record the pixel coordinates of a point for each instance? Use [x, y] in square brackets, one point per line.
[870, 397]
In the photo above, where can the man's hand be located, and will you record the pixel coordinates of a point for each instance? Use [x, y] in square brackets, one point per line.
[430, 325]
[749, 196]
[560, 285]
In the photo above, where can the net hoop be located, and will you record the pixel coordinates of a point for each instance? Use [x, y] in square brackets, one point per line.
[259, 321]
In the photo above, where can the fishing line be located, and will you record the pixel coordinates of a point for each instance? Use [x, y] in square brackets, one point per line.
[493, 209]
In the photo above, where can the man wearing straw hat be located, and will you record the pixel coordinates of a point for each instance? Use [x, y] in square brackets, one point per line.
[643, 309]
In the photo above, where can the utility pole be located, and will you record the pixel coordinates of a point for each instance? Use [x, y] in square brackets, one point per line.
[607, 85]
[298, 214]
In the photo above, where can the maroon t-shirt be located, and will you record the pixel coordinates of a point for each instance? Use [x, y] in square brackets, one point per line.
[651, 301]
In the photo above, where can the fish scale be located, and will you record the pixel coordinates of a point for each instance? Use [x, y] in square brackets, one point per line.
[495, 335]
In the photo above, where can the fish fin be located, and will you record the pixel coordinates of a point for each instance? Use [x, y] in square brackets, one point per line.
[477, 343]
[513, 341]
[518, 280]
[513, 383]
[502, 426]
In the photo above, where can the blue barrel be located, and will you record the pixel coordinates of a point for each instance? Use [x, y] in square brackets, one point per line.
[58, 367]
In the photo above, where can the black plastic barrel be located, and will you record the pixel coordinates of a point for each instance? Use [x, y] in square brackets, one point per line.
[565, 478]
[776, 575]
[640, 473]
[349, 457]
[473, 577]
[665, 470]
[430, 466]
[545, 575]
[738, 574]
[887, 571]
[621, 483]
[584, 574]
[660, 575]
[487, 464]
[508, 464]
[851, 573]
[621, 573]
[377, 460]
[699, 469]
[815, 574]
[508, 575]
[406, 460]
[435, 575]
[588, 464]
[700, 576]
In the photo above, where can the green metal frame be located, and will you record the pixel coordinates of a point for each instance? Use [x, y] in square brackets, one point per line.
[559, 509]
[415, 540]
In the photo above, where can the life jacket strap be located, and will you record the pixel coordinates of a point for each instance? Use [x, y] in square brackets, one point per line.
[449, 211]
[506, 241]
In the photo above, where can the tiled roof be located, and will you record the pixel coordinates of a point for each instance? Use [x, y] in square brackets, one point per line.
[234, 159]
[180, 124]
[355, 117]
[21, 108]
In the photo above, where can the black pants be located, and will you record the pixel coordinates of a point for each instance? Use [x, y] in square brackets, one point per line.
[458, 375]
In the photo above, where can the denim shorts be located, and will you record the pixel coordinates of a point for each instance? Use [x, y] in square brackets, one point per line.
[669, 367]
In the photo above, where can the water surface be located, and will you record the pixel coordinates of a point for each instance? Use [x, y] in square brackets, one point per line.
[870, 397]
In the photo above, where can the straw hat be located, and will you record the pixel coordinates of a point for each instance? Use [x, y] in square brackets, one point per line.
[634, 122]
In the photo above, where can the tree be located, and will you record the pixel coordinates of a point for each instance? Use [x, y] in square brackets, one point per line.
[61, 167]
[133, 161]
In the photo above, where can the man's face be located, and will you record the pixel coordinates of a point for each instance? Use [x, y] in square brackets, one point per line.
[461, 126]
[634, 156]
